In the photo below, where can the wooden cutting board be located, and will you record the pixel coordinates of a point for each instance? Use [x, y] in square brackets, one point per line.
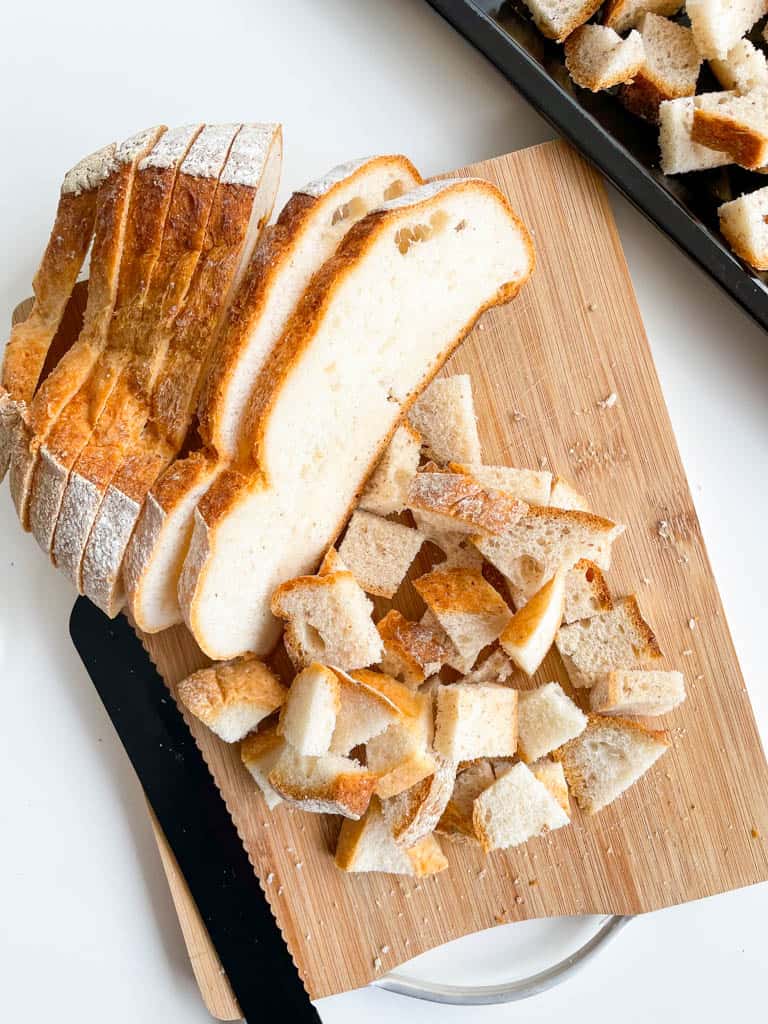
[697, 824]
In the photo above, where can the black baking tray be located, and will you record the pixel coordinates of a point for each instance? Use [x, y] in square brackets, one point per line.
[619, 144]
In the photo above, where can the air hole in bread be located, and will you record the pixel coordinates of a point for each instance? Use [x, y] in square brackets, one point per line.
[412, 233]
[356, 207]
[394, 190]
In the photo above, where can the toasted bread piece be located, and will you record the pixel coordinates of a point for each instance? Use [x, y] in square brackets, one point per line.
[606, 758]
[637, 692]
[369, 703]
[456, 820]
[586, 591]
[231, 698]
[679, 153]
[445, 418]
[718, 26]
[619, 638]
[744, 222]
[564, 495]
[378, 553]
[556, 19]
[414, 813]
[598, 58]
[412, 651]
[736, 125]
[743, 68]
[544, 541]
[323, 785]
[468, 608]
[260, 752]
[496, 668]
[368, 845]
[402, 755]
[530, 632]
[306, 234]
[546, 719]
[671, 68]
[328, 620]
[532, 486]
[475, 720]
[515, 808]
[457, 547]
[456, 503]
[308, 716]
[387, 489]
[621, 15]
[552, 774]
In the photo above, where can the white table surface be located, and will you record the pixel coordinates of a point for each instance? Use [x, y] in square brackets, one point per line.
[87, 929]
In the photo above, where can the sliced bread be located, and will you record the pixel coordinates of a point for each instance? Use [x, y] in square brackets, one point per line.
[546, 719]
[671, 67]
[736, 125]
[368, 845]
[515, 808]
[444, 417]
[530, 632]
[308, 716]
[378, 552]
[322, 785]
[598, 58]
[260, 752]
[744, 222]
[637, 692]
[387, 488]
[475, 720]
[291, 498]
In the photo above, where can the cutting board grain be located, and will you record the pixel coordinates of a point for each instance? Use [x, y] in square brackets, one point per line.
[697, 824]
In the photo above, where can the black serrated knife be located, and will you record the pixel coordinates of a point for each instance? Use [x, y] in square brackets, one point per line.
[193, 817]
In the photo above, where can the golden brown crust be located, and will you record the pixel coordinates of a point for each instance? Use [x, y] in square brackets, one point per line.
[596, 721]
[427, 857]
[646, 93]
[526, 622]
[650, 648]
[728, 135]
[349, 793]
[413, 646]
[459, 590]
[380, 685]
[460, 497]
[258, 745]
[243, 680]
[601, 592]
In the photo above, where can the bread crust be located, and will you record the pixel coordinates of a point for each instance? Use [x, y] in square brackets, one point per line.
[348, 794]
[728, 135]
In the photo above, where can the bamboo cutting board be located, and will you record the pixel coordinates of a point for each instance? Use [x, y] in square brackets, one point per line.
[697, 824]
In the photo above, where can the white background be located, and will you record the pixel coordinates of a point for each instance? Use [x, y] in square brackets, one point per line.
[87, 930]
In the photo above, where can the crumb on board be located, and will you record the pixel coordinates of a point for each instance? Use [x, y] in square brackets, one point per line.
[518, 416]
[755, 833]
[691, 623]
[663, 529]
[270, 877]
[591, 306]
[385, 949]
[687, 652]
[377, 963]
[609, 401]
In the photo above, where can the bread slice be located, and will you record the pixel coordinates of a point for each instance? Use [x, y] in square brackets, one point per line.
[671, 67]
[382, 274]
[30, 340]
[156, 183]
[456, 820]
[515, 808]
[556, 19]
[306, 234]
[619, 638]
[241, 206]
[637, 692]
[496, 668]
[475, 720]
[412, 651]
[308, 716]
[679, 153]
[606, 758]
[457, 503]
[546, 719]
[586, 592]
[370, 702]
[743, 68]
[445, 418]
[621, 15]
[532, 486]
[552, 775]
[564, 495]
[260, 752]
[402, 755]
[378, 552]
[231, 698]
[736, 125]
[322, 785]
[368, 845]
[598, 58]
[457, 547]
[530, 633]
[544, 541]
[414, 813]
[329, 620]
[112, 207]
[744, 222]
[387, 489]
[717, 26]
[468, 608]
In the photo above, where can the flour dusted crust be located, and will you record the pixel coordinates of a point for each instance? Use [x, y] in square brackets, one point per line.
[90, 172]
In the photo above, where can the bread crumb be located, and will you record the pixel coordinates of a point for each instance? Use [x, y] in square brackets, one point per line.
[543, 460]
[591, 306]
[663, 529]
[755, 834]
[299, 865]
[377, 963]
[687, 652]
[647, 581]
[518, 899]
[270, 877]
[281, 890]
[518, 416]
[385, 950]
[533, 881]
[609, 401]
[691, 623]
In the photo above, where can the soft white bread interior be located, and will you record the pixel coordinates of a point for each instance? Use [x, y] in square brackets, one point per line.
[679, 153]
[530, 632]
[402, 755]
[607, 758]
[412, 651]
[475, 720]
[532, 486]
[370, 702]
[618, 638]
[471, 780]
[637, 692]
[322, 785]
[718, 26]
[671, 68]
[457, 503]
[552, 774]
[546, 719]
[744, 67]
[414, 813]
[744, 222]
[368, 845]
[260, 752]
[556, 19]
[232, 697]
[386, 282]
[515, 808]
[598, 58]
[586, 591]
[308, 716]
[565, 495]
[456, 547]
[444, 416]
[387, 489]
[495, 668]
[737, 125]
[378, 552]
